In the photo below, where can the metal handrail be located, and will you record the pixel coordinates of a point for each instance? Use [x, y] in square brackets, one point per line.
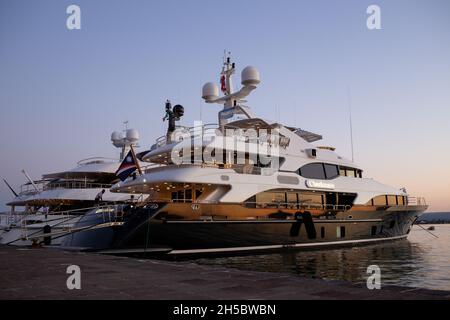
[307, 206]
[419, 201]
[95, 160]
[114, 213]
[66, 184]
[9, 219]
[192, 131]
[238, 168]
[271, 205]
[75, 184]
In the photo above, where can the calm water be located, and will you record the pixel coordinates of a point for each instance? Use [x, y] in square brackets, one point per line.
[421, 261]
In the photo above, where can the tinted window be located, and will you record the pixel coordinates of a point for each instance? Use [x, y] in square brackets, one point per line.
[331, 171]
[351, 173]
[373, 231]
[313, 171]
[311, 199]
[392, 200]
[264, 197]
[188, 194]
[291, 197]
[379, 201]
[340, 232]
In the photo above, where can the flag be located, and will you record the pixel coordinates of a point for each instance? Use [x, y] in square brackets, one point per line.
[223, 86]
[127, 167]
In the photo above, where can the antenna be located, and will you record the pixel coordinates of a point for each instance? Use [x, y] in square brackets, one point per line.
[10, 188]
[30, 180]
[350, 120]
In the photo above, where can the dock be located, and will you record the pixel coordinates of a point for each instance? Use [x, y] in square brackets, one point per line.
[40, 273]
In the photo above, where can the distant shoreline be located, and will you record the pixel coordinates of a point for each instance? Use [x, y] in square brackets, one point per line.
[434, 218]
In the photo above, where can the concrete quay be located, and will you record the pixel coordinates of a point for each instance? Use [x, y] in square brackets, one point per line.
[40, 273]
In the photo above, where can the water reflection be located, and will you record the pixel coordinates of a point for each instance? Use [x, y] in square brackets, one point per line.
[420, 261]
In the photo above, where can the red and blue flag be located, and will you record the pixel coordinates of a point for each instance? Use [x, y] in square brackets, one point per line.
[127, 167]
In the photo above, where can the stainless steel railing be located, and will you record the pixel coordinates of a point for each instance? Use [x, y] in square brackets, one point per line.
[416, 201]
[75, 184]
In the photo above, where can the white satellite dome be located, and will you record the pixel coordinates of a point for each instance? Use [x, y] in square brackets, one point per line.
[250, 76]
[132, 135]
[116, 135]
[210, 91]
[117, 139]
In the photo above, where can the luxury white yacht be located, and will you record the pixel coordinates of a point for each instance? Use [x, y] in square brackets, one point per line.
[250, 184]
[56, 202]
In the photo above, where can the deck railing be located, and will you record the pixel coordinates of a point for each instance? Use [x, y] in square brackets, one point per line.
[76, 184]
[416, 201]
[238, 168]
[29, 189]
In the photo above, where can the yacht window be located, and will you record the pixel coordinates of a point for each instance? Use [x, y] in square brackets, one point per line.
[311, 199]
[346, 199]
[188, 194]
[251, 202]
[266, 199]
[322, 232]
[351, 173]
[400, 200]
[331, 171]
[373, 230]
[313, 171]
[279, 198]
[379, 201]
[340, 232]
[392, 200]
[198, 193]
[292, 200]
[263, 198]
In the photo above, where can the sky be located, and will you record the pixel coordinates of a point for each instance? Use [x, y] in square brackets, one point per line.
[62, 92]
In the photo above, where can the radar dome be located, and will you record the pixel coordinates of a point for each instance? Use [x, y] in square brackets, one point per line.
[250, 76]
[116, 135]
[132, 135]
[210, 91]
[117, 139]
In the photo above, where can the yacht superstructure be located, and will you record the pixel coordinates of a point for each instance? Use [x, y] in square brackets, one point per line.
[251, 184]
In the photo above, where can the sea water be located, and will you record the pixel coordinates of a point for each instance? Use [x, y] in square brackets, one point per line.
[422, 260]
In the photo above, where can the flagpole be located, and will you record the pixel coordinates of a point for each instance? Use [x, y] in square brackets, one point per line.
[135, 159]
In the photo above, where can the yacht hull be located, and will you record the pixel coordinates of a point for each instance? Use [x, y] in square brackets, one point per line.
[145, 229]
